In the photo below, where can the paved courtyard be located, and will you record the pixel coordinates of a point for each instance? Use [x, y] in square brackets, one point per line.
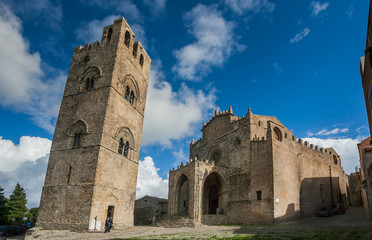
[351, 225]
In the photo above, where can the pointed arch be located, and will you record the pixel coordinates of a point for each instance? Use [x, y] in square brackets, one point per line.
[89, 78]
[76, 133]
[129, 80]
[127, 38]
[214, 193]
[127, 136]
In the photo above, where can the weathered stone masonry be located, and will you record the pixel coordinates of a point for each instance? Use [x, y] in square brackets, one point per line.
[92, 169]
[253, 169]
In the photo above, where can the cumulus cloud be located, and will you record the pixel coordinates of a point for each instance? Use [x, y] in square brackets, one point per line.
[215, 43]
[300, 36]
[25, 163]
[317, 7]
[28, 149]
[23, 86]
[149, 182]
[92, 31]
[242, 6]
[171, 115]
[345, 147]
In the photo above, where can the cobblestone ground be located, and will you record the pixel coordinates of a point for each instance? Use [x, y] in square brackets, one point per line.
[351, 225]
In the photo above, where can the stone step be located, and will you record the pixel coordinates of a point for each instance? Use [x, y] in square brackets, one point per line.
[176, 222]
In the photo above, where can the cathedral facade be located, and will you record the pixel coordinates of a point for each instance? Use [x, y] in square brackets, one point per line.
[253, 170]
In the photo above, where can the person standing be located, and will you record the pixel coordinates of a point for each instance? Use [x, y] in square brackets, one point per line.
[107, 225]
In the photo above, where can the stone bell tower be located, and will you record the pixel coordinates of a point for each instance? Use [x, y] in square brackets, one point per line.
[93, 164]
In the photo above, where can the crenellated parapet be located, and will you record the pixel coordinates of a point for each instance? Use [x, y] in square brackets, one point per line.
[192, 162]
[116, 37]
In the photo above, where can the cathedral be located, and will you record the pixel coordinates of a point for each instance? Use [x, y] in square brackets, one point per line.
[252, 169]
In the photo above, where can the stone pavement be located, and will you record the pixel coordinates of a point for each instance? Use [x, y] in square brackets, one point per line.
[353, 219]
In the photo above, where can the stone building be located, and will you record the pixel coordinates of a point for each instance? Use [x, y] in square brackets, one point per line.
[148, 210]
[92, 169]
[364, 148]
[365, 156]
[253, 169]
[355, 189]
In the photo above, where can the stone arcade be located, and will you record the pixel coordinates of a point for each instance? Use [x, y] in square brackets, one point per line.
[92, 169]
[253, 170]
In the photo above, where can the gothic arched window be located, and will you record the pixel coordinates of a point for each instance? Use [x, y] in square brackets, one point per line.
[131, 98]
[127, 38]
[126, 149]
[277, 134]
[127, 93]
[121, 146]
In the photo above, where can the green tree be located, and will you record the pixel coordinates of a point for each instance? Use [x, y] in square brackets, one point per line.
[3, 208]
[33, 212]
[17, 204]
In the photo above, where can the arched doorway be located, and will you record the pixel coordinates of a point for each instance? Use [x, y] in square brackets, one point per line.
[183, 195]
[213, 194]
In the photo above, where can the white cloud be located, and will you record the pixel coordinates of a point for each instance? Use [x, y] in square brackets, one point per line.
[149, 182]
[25, 163]
[255, 6]
[140, 34]
[317, 7]
[300, 36]
[324, 132]
[171, 115]
[92, 31]
[215, 43]
[345, 147]
[28, 149]
[21, 85]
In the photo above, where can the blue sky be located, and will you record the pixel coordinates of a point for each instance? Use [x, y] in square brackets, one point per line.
[296, 60]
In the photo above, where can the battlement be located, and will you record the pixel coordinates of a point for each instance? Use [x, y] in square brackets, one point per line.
[193, 161]
[218, 114]
[117, 37]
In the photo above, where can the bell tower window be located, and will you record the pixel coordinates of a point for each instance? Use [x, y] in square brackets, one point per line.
[141, 60]
[109, 34]
[127, 39]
